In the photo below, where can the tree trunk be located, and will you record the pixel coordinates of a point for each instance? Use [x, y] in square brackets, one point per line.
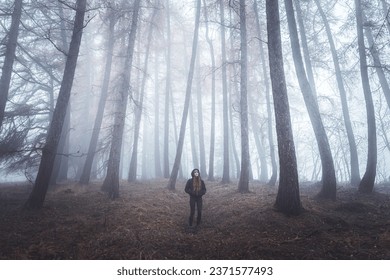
[287, 200]
[367, 183]
[234, 91]
[175, 130]
[272, 180]
[202, 150]
[10, 47]
[257, 134]
[305, 49]
[194, 152]
[225, 174]
[243, 184]
[167, 94]
[37, 196]
[175, 169]
[132, 176]
[354, 160]
[111, 182]
[328, 190]
[157, 159]
[61, 160]
[212, 128]
[86, 173]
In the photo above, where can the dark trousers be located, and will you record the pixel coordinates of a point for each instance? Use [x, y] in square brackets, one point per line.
[195, 200]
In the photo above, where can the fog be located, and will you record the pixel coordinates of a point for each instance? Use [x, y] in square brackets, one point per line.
[43, 40]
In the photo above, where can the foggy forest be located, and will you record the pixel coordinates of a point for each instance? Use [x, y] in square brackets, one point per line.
[107, 106]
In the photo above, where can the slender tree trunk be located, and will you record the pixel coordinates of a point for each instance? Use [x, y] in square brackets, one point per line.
[354, 160]
[272, 180]
[202, 150]
[234, 91]
[86, 173]
[147, 154]
[10, 48]
[225, 174]
[175, 130]
[60, 170]
[257, 134]
[111, 182]
[367, 183]
[132, 176]
[167, 94]
[243, 184]
[64, 164]
[328, 190]
[212, 128]
[157, 159]
[194, 152]
[37, 196]
[61, 158]
[287, 200]
[305, 49]
[175, 169]
[235, 158]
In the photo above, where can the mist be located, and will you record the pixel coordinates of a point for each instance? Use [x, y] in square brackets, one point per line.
[158, 77]
[119, 118]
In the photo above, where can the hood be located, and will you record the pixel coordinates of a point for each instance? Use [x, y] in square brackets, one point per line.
[193, 171]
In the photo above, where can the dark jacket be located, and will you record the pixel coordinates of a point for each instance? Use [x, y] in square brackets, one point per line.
[190, 189]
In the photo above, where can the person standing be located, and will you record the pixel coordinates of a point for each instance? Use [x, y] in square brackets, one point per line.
[196, 188]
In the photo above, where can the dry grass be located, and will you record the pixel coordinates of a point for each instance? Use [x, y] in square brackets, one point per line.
[150, 222]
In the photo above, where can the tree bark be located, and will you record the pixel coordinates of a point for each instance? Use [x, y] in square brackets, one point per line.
[234, 91]
[194, 152]
[167, 95]
[287, 200]
[257, 134]
[272, 180]
[225, 174]
[61, 162]
[212, 128]
[367, 183]
[243, 184]
[10, 48]
[179, 150]
[157, 158]
[111, 181]
[305, 49]
[202, 149]
[37, 196]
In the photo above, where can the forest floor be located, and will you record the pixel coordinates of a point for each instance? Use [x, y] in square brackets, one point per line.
[149, 221]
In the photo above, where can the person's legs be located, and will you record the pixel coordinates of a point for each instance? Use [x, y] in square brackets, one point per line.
[199, 206]
[192, 209]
